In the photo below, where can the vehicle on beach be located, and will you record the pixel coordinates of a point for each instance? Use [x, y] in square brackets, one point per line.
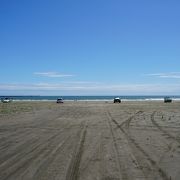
[167, 100]
[6, 100]
[117, 100]
[60, 100]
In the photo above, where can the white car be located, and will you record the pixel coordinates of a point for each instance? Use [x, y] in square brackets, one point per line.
[59, 100]
[6, 100]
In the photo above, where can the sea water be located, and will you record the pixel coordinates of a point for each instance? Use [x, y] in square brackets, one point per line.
[89, 98]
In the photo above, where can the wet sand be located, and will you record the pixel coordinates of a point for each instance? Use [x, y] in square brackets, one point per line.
[90, 141]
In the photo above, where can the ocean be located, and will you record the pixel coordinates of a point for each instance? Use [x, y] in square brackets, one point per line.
[89, 98]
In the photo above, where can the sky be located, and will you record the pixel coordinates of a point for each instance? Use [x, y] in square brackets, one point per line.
[89, 47]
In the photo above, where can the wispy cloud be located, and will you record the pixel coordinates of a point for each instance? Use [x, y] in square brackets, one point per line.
[52, 74]
[95, 88]
[174, 75]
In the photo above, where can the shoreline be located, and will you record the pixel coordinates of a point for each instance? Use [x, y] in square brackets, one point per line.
[99, 100]
[92, 98]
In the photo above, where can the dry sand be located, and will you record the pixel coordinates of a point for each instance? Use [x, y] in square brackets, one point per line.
[90, 141]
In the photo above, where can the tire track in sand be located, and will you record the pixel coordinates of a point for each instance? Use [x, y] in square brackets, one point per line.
[152, 165]
[73, 170]
[128, 121]
[121, 167]
[17, 163]
[163, 130]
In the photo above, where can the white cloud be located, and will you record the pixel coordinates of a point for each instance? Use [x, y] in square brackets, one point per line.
[95, 88]
[52, 74]
[174, 75]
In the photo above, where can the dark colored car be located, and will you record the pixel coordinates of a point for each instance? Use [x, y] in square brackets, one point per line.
[117, 100]
[167, 100]
[59, 100]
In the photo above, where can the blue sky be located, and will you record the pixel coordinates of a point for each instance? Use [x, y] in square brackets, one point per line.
[93, 47]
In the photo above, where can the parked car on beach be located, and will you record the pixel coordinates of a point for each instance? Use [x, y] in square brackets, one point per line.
[167, 100]
[60, 100]
[117, 100]
[6, 100]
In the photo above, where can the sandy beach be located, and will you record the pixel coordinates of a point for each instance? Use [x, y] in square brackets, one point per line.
[90, 141]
